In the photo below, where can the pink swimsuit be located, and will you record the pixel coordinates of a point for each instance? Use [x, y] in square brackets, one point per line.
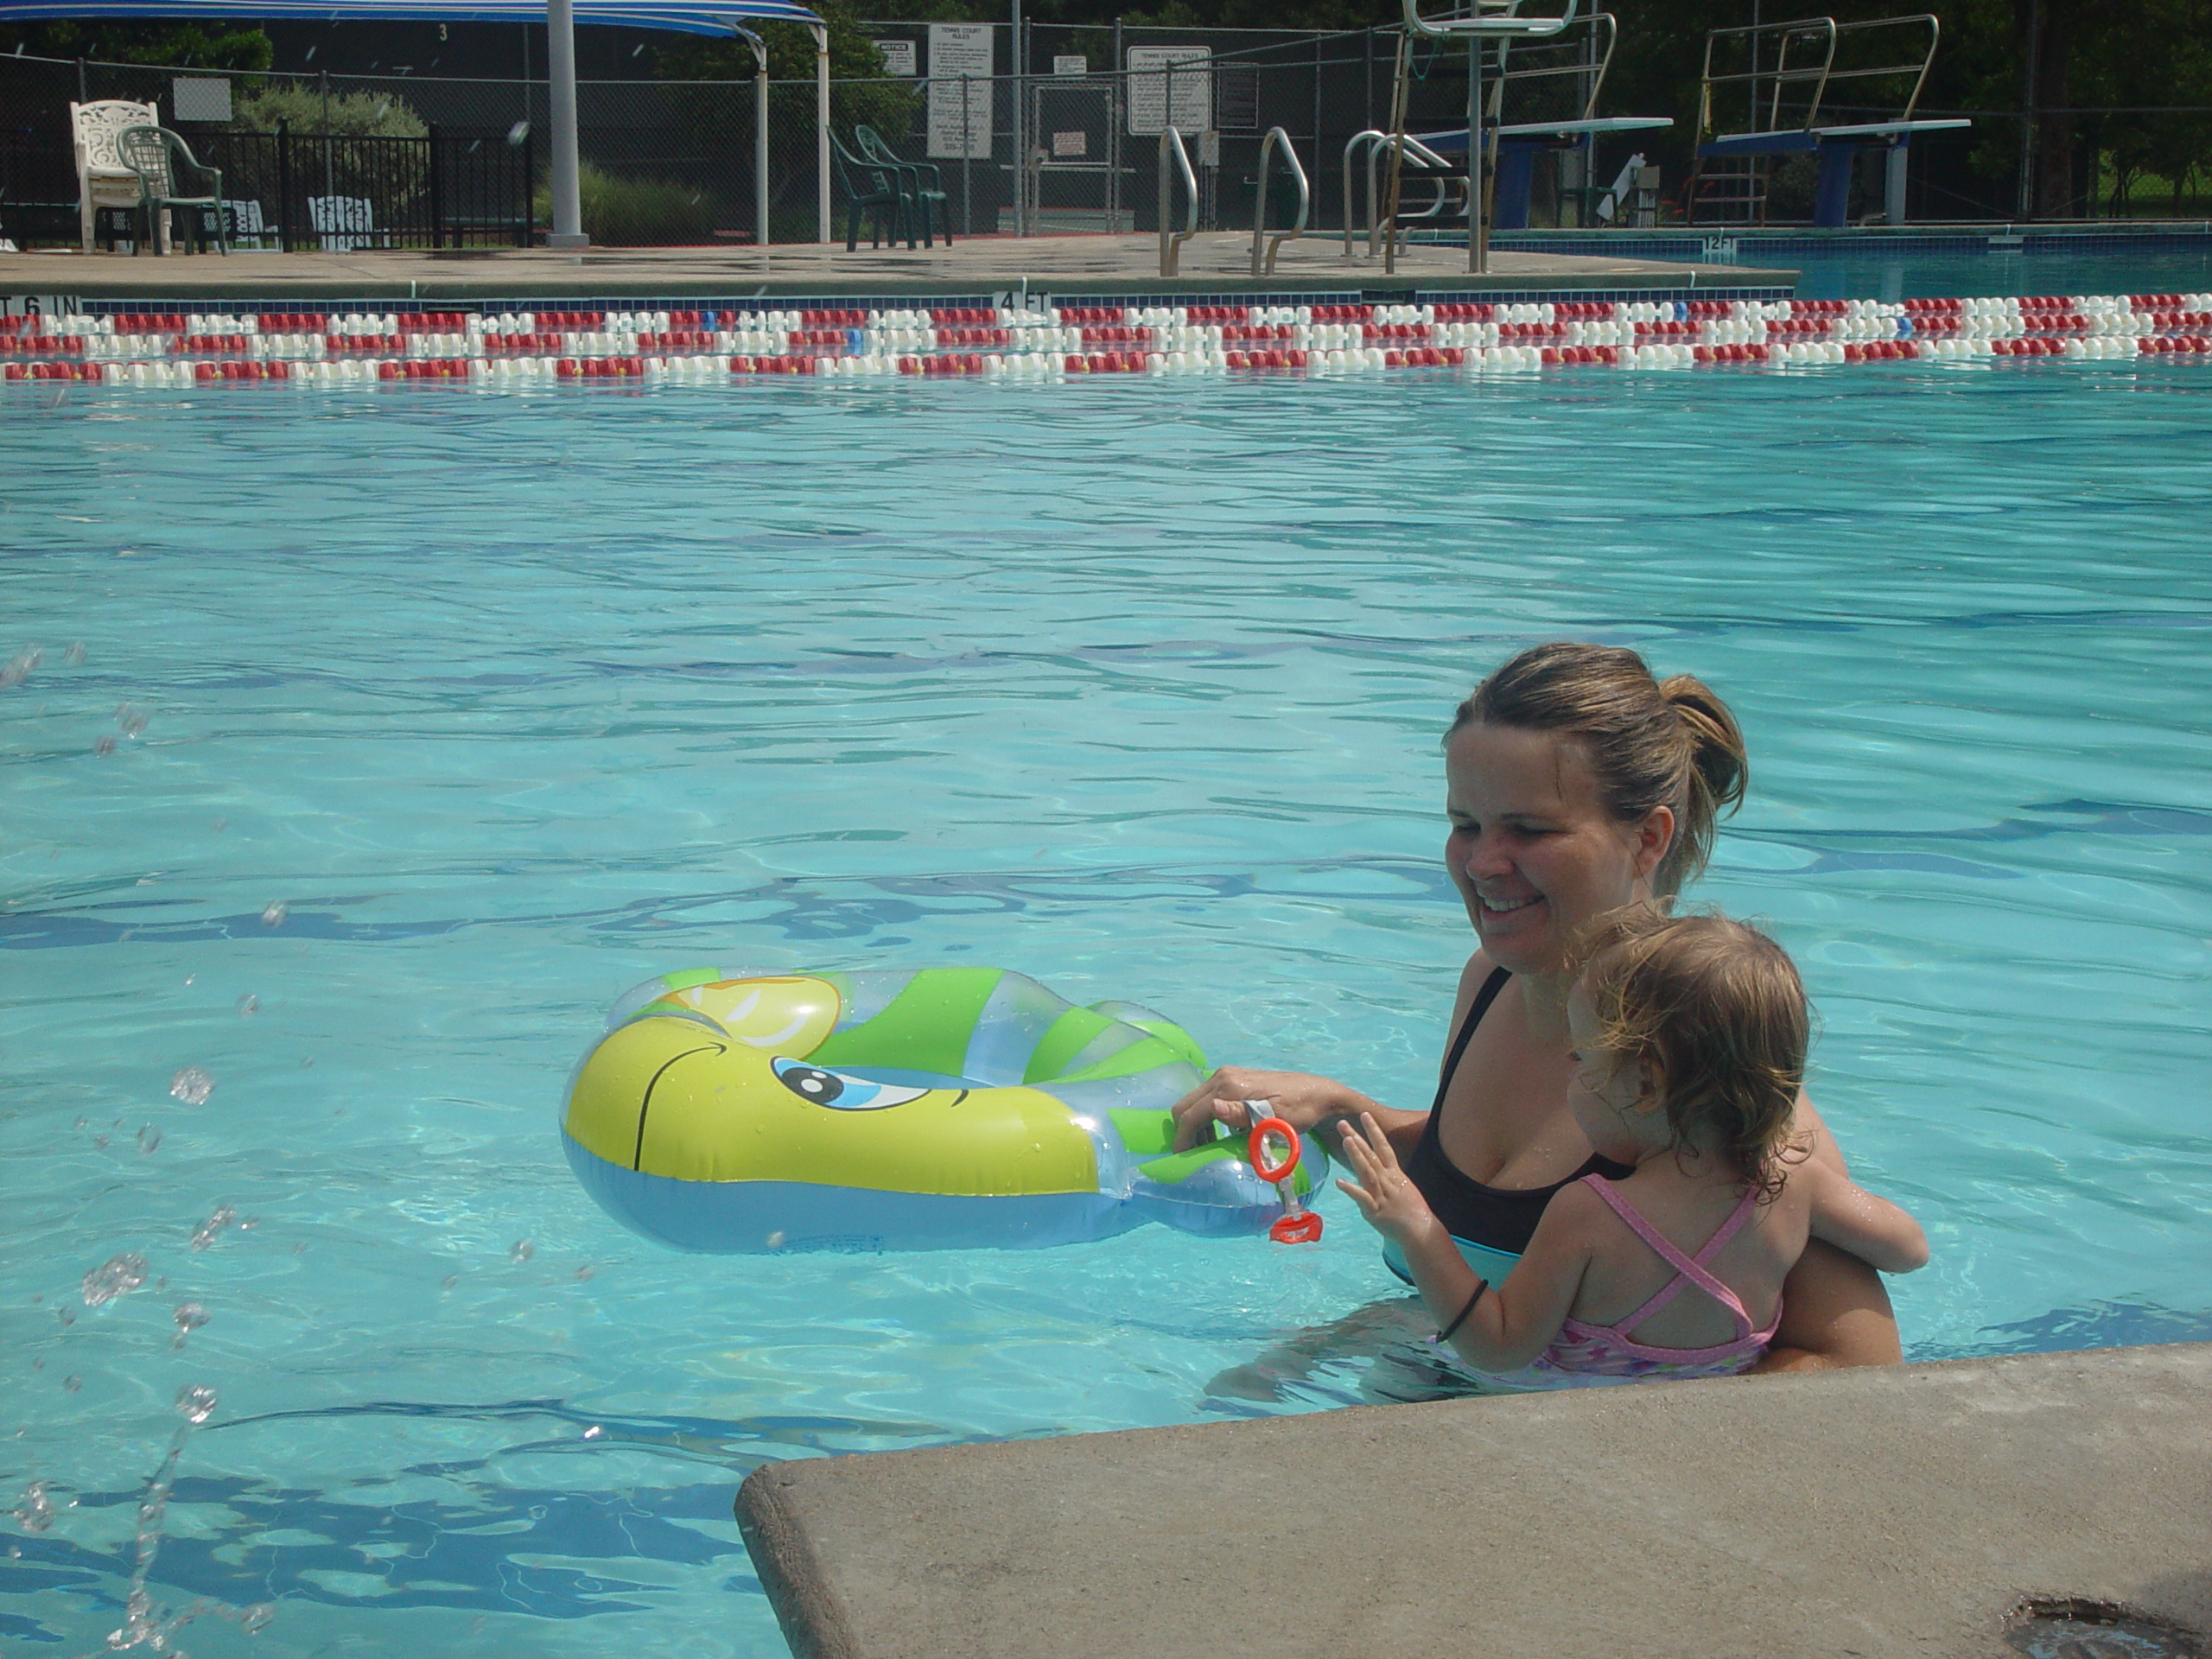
[1586, 1356]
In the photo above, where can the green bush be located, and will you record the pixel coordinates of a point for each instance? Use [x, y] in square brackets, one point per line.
[350, 115]
[622, 212]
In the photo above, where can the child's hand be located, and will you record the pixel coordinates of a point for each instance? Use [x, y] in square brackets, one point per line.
[1391, 1203]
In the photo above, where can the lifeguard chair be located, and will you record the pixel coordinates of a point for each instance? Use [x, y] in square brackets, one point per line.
[1798, 100]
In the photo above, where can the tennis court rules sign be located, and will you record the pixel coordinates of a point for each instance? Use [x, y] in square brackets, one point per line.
[962, 95]
[1170, 85]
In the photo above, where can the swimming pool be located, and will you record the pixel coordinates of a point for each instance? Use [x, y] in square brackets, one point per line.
[511, 701]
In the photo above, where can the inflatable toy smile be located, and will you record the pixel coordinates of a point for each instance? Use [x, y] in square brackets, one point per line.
[942, 1107]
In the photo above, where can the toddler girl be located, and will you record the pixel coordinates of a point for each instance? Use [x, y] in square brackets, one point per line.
[1689, 1037]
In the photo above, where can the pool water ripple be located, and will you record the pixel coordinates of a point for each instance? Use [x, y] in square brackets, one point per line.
[511, 701]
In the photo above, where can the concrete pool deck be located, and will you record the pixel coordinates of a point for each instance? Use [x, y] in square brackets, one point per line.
[1211, 264]
[1873, 1513]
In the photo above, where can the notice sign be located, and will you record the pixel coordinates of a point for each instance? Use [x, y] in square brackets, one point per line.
[1076, 66]
[1170, 85]
[962, 95]
[1071, 146]
[898, 56]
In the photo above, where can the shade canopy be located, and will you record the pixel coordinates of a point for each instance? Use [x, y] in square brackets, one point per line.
[685, 16]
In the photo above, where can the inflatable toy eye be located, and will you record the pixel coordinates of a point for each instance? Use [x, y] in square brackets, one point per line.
[834, 1088]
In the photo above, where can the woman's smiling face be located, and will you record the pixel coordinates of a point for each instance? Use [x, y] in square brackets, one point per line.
[1533, 849]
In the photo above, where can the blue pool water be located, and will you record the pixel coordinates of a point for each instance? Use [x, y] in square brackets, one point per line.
[1870, 275]
[511, 701]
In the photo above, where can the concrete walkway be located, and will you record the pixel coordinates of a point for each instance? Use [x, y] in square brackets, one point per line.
[1878, 1514]
[1105, 265]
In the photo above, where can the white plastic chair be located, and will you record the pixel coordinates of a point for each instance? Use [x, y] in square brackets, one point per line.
[102, 178]
[346, 223]
[246, 226]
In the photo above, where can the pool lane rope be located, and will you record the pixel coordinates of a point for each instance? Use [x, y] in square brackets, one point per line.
[1071, 343]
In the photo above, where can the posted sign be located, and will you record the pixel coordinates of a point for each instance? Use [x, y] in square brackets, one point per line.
[1170, 85]
[961, 115]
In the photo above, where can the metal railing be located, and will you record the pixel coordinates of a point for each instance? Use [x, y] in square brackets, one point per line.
[1171, 245]
[1485, 19]
[1823, 34]
[1268, 146]
[1437, 171]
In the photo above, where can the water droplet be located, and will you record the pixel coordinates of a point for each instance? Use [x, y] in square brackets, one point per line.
[254, 1617]
[219, 825]
[307, 1063]
[249, 1003]
[66, 1315]
[75, 655]
[776, 1240]
[72, 1382]
[191, 1085]
[36, 1512]
[188, 978]
[584, 1272]
[149, 1137]
[99, 1143]
[195, 1402]
[523, 1251]
[517, 133]
[20, 665]
[189, 1317]
[273, 913]
[593, 1432]
[448, 1282]
[207, 1231]
[129, 720]
[117, 1276]
[106, 746]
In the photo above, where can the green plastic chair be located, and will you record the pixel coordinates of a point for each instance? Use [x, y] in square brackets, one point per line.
[877, 188]
[875, 149]
[163, 161]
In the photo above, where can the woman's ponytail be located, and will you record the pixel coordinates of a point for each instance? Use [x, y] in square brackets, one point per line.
[1719, 770]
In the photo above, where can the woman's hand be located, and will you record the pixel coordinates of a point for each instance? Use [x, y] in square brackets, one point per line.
[1386, 1196]
[1299, 1098]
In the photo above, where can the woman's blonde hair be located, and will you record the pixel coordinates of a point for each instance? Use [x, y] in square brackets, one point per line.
[1717, 1012]
[1651, 743]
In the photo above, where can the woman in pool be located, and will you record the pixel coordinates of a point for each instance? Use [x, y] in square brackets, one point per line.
[1576, 784]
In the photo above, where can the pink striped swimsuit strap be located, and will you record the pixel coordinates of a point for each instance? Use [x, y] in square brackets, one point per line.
[1688, 1271]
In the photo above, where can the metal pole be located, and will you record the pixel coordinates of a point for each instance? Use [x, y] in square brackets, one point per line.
[760, 147]
[821, 132]
[1021, 148]
[1477, 253]
[567, 230]
[967, 156]
[328, 188]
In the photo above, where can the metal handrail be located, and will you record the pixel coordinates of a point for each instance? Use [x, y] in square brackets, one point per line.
[1260, 204]
[1502, 18]
[1171, 245]
[1604, 27]
[1823, 32]
[1411, 148]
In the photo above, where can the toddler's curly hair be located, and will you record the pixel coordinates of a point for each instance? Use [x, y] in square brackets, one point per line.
[1716, 1008]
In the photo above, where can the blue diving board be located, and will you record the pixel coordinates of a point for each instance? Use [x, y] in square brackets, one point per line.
[1837, 147]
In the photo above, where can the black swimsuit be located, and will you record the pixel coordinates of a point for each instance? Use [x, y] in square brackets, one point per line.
[1501, 1218]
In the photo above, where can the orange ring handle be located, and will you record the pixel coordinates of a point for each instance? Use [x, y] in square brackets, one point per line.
[1256, 1146]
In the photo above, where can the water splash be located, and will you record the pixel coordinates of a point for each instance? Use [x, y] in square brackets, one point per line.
[36, 1512]
[72, 1382]
[145, 1625]
[75, 655]
[191, 1085]
[523, 1251]
[189, 1317]
[129, 720]
[210, 1230]
[21, 664]
[106, 746]
[117, 1276]
[249, 1003]
[149, 1137]
[273, 914]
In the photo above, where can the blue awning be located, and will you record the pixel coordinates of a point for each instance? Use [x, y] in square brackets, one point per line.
[685, 16]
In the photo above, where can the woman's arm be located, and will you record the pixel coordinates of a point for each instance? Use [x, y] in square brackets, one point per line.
[1850, 1217]
[1835, 1313]
[1299, 1098]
